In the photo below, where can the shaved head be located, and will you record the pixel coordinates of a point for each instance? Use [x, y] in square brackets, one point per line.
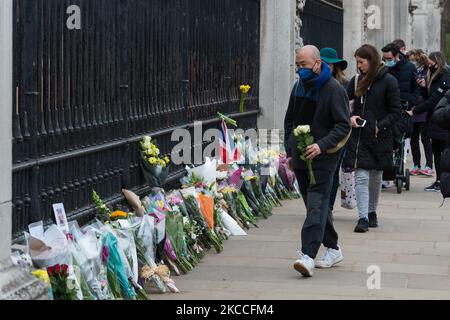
[309, 57]
[310, 51]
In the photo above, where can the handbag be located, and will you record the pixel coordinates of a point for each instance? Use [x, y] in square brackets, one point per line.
[348, 193]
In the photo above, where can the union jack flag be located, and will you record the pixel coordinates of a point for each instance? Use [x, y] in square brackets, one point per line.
[229, 152]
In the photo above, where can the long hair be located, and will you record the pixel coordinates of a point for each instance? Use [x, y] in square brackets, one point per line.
[370, 53]
[339, 74]
[421, 58]
[438, 58]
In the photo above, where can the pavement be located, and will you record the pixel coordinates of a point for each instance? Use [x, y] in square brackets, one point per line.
[411, 249]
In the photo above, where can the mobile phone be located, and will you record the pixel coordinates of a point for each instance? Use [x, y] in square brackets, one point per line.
[361, 123]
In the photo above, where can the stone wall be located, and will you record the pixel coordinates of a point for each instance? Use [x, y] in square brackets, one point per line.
[14, 283]
[418, 22]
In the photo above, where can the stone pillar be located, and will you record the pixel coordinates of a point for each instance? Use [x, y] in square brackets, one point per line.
[434, 25]
[426, 24]
[420, 19]
[277, 61]
[14, 283]
[353, 32]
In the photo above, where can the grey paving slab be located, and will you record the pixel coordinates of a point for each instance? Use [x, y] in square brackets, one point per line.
[411, 247]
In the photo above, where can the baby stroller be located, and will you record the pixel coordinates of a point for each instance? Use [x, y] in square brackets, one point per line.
[398, 173]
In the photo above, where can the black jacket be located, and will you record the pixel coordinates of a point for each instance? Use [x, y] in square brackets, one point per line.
[330, 125]
[439, 87]
[381, 107]
[405, 72]
[441, 115]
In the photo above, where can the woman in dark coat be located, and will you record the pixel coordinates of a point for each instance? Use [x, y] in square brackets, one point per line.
[441, 117]
[370, 148]
[438, 85]
[419, 132]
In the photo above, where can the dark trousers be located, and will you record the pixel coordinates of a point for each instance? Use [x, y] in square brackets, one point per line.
[419, 133]
[335, 187]
[438, 147]
[318, 227]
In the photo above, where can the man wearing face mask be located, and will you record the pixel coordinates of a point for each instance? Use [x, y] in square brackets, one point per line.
[404, 71]
[319, 101]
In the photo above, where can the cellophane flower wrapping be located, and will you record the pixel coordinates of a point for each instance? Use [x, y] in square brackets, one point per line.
[117, 276]
[90, 243]
[49, 248]
[145, 238]
[207, 172]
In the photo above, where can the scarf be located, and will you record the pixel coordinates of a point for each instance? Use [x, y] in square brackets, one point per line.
[310, 88]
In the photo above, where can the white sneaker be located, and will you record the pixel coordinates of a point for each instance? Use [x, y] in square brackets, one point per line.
[330, 259]
[305, 265]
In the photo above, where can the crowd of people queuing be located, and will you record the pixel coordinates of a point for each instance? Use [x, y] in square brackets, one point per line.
[397, 96]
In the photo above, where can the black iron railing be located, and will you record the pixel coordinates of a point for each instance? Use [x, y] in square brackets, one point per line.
[323, 24]
[85, 97]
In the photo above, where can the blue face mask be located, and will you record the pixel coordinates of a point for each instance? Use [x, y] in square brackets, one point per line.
[305, 73]
[390, 64]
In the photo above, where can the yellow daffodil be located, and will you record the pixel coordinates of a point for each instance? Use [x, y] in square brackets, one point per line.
[245, 88]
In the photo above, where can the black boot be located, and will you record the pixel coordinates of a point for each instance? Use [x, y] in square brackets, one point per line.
[373, 220]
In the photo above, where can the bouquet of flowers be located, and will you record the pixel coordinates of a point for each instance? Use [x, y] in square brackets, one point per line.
[117, 277]
[195, 181]
[194, 247]
[154, 165]
[256, 199]
[304, 140]
[86, 250]
[208, 237]
[202, 177]
[245, 210]
[175, 200]
[103, 210]
[128, 253]
[230, 205]
[149, 272]
[272, 196]
[280, 189]
[158, 208]
[222, 232]
[175, 241]
[62, 287]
